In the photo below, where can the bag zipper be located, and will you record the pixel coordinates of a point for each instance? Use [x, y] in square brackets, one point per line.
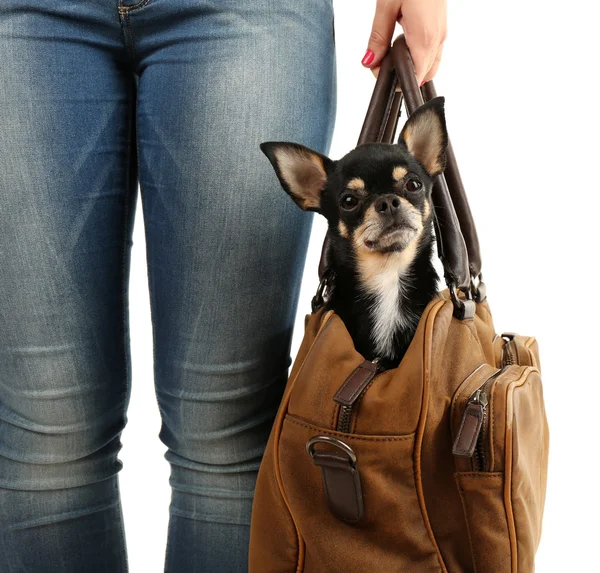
[509, 349]
[352, 391]
[470, 440]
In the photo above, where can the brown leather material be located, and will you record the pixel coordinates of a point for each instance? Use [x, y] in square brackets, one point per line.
[324, 260]
[451, 245]
[355, 383]
[470, 428]
[424, 509]
[389, 132]
[341, 484]
[381, 104]
[482, 495]
[459, 198]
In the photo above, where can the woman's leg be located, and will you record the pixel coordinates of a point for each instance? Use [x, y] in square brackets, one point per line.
[67, 192]
[226, 245]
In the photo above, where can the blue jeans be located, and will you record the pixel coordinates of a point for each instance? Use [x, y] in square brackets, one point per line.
[96, 96]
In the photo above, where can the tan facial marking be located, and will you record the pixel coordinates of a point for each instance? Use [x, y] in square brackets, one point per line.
[357, 184]
[343, 230]
[369, 227]
[399, 173]
[427, 210]
[414, 215]
[374, 264]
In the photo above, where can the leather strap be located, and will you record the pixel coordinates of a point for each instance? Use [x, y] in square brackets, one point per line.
[341, 482]
[341, 478]
[378, 113]
[459, 198]
[453, 218]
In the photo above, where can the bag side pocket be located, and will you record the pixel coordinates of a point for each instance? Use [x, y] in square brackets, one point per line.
[518, 349]
[501, 458]
[482, 495]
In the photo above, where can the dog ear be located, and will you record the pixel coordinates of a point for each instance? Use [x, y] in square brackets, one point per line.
[424, 135]
[302, 171]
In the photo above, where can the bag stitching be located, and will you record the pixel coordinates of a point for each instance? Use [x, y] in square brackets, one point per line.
[323, 324]
[480, 474]
[360, 437]
[512, 528]
[433, 312]
[464, 504]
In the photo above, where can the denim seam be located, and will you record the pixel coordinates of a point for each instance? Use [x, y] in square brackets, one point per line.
[121, 520]
[140, 4]
[127, 37]
[124, 266]
[124, 290]
[130, 38]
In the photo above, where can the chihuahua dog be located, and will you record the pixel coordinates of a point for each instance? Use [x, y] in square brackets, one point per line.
[377, 202]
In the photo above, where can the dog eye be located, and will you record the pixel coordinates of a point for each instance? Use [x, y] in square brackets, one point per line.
[349, 202]
[413, 185]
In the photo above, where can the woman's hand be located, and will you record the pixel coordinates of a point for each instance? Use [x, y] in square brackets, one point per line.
[424, 26]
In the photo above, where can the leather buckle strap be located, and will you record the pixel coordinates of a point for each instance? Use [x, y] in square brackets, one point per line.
[341, 479]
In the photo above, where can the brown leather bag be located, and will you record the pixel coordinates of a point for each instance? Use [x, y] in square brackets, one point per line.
[438, 465]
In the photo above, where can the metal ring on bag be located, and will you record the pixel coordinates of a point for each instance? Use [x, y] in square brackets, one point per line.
[478, 290]
[333, 442]
[321, 296]
[463, 309]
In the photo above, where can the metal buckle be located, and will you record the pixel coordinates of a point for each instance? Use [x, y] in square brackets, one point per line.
[341, 478]
[321, 296]
[310, 447]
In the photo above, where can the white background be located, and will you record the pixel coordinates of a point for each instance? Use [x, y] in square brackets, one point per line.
[520, 79]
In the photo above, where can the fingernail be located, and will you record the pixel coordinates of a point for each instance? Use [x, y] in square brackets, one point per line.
[368, 57]
[422, 84]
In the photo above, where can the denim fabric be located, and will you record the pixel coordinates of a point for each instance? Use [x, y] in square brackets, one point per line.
[96, 96]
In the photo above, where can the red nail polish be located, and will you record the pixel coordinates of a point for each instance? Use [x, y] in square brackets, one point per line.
[422, 84]
[368, 57]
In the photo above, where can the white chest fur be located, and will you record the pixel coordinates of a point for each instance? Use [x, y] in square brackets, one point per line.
[384, 277]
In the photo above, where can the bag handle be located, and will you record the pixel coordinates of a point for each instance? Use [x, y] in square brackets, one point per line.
[461, 260]
[414, 98]
[460, 202]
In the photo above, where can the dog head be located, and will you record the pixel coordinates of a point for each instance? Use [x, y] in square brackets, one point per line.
[377, 198]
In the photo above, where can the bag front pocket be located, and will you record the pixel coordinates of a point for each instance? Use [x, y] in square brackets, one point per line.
[500, 436]
[483, 503]
[387, 533]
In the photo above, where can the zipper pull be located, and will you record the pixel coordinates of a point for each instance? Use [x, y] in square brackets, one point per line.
[510, 353]
[471, 424]
[358, 380]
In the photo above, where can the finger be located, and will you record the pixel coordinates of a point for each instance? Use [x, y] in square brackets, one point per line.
[422, 61]
[423, 44]
[436, 64]
[382, 30]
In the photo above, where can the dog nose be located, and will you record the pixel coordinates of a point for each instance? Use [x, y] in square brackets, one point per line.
[387, 204]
